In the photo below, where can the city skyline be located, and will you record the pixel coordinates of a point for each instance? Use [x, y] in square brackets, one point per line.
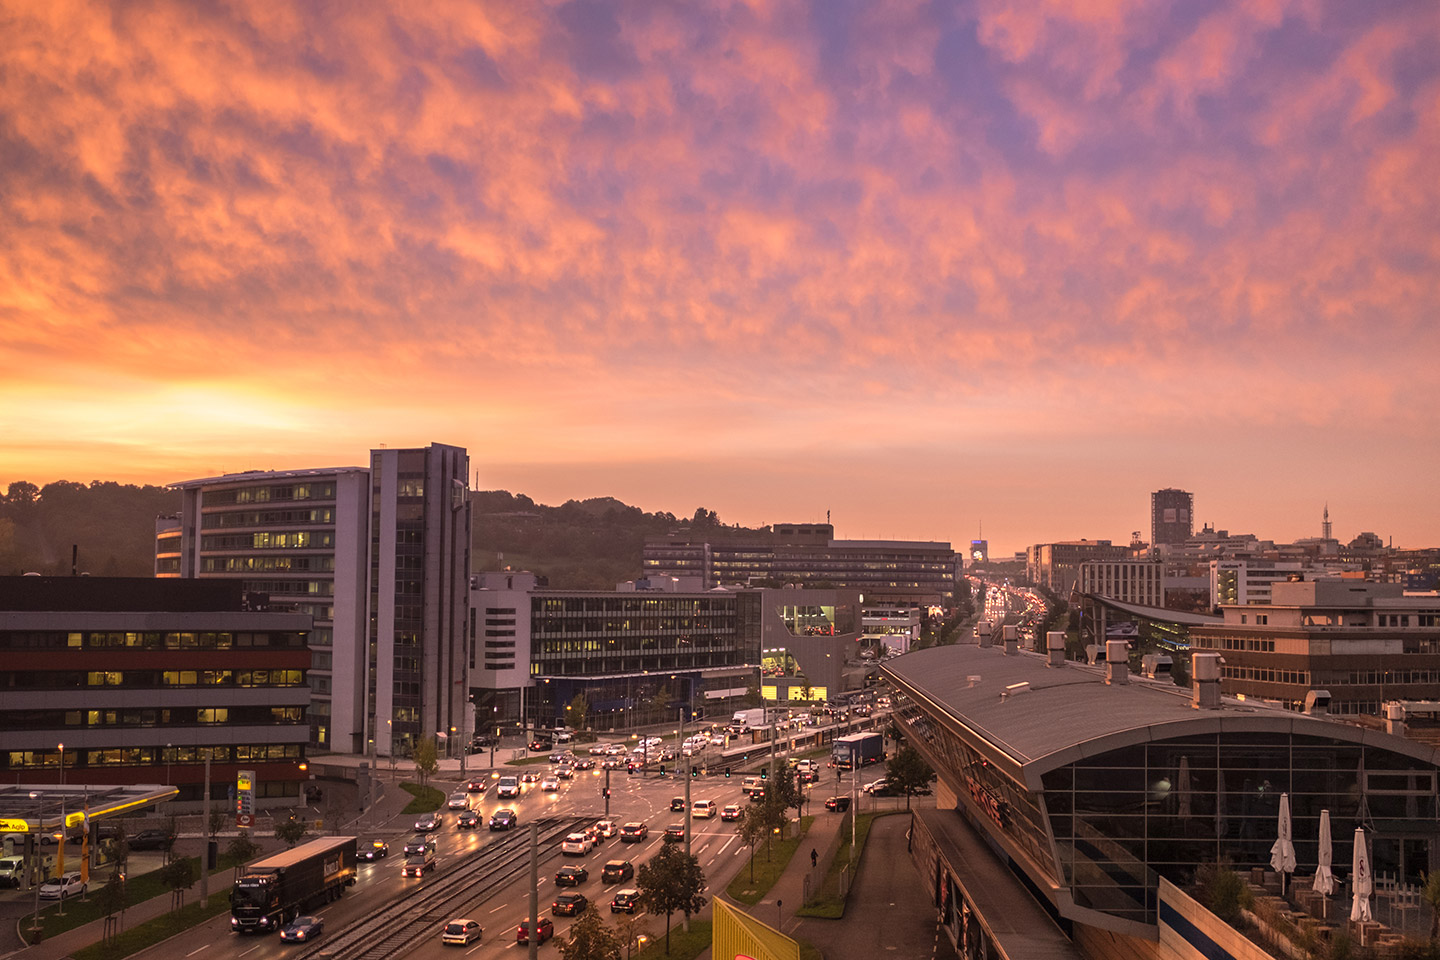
[922, 268]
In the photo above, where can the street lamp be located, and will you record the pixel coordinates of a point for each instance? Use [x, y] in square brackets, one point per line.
[169, 756]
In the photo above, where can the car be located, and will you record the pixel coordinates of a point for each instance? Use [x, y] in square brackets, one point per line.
[879, 788]
[617, 871]
[563, 736]
[599, 749]
[730, 812]
[703, 809]
[459, 800]
[594, 834]
[675, 833]
[748, 784]
[606, 828]
[757, 794]
[611, 763]
[565, 772]
[544, 930]
[634, 832]
[569, 905]
[625, 901]
[585, 764]
[508, 787]
[616, 750]
[302, 929]
[677, 804]
[538, 744]
[809, 776]
[577, 843]
[550, 784]
[468, 820]
[374, 850]
[530, 776]
[503, 819]
[417, 864]
[418, 844]
[838, 804]
[461, 932]
[561, 756]
[62, 887]
[152, 839]
[431, 821]
[571, 875]
[478, 785]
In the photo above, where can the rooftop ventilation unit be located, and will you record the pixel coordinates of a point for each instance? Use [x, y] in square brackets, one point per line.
[1055, 644]
[1011, 689]
[1117, 661]
[1317, 703]
[1011, 633]
[1205, 688]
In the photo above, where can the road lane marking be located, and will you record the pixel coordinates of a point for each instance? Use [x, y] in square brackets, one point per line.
[193, 952]
[499, 908]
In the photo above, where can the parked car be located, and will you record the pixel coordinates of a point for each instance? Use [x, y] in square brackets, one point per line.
[302, 929]
[503, 819]
[634, 832]
[571, 875]
[617, 871]
[152, 839]
[838, 804]
[569, 905]
[62, 887]
[461, 932]
[544, 930]
[373, 850]
[625, 901]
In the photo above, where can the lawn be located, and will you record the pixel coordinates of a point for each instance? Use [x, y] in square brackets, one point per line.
[154, 931]
[683, 946]
[427, 799]
[766, 869]
[137, 890]
[826, 902]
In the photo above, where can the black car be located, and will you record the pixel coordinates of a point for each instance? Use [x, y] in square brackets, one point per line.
[503, 819]
[418, 844]
[677, 804]
[468, 820]
[838, 804]
[569, 905]
[302, 929]
[675, 833]
[625, 901]
[538, 744]
[616, 871]
[633, 832]
[571, 875]
[152, 840]
[585, 764]
[373, 850]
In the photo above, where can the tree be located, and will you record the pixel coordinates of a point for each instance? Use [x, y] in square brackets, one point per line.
[671, 881]
[785, 788]
[219, 819]
[427, 760]
[242, 849]
[290, 829]
[752, 695]
[112, 899]
[178, 875]
[577, 715]
[753, 828]
[1431, 893]
[590, 938]
[909, 772]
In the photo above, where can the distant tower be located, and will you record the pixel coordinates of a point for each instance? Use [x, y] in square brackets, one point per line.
[1171, 513]
[1325, 523]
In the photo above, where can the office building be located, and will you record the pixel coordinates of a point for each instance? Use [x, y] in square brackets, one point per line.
[143, 680]
[1140, 582]
[1172, 515]
[1246, 582]
[1365, 643]
[918, 573]
[418, 679]
[1056, 566]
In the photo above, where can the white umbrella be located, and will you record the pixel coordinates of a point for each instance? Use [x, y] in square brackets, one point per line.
[1360, 880]
[1324, 878]
[1182, 788]
[1282, 854]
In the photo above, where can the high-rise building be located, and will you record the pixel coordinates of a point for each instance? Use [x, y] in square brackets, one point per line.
[418, 652]
[300, 538]
[1056, 566]
[1172, 516]
[1141, 582]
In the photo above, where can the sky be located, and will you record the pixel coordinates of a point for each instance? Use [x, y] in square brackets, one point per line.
[931, 267]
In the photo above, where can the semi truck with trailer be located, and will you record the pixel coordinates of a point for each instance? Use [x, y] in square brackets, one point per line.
[273, 891]
[860, 748]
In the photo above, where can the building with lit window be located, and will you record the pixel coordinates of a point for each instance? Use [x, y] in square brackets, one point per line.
[1245, 582]
[142, 680]
[1070, 798]
[1172, 516]
[1056, 566]
[1130, 581]
[299, 538]
[914, 572]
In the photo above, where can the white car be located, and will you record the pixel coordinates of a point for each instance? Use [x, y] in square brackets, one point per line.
[67, 885]
[550, 784]
[459, 800]
[461, 932]
[577, 843]
[606, 828]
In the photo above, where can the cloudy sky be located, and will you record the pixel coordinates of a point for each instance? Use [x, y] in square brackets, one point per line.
[924, 265]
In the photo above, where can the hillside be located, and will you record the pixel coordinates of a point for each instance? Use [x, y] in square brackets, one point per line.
[581, 544]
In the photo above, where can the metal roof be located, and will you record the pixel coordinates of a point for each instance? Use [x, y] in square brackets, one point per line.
[1068, 713]
[35, 808]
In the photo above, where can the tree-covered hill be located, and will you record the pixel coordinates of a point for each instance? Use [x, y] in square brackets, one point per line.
[111, 524]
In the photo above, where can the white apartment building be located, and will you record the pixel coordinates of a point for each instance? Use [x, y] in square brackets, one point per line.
[1246, 582]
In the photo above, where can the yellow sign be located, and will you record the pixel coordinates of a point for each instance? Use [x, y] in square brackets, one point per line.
[14, 826]
[242, 782]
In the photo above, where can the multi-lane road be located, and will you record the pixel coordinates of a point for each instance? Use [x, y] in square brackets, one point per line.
[484, 876]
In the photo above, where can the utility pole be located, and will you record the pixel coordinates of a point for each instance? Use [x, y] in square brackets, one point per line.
[685, 925]
[534, 938]
[607, 792]
[209, 840]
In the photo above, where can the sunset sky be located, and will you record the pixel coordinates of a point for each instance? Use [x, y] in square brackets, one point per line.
[924, 265]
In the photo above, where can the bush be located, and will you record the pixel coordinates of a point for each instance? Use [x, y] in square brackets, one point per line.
[1223, 891]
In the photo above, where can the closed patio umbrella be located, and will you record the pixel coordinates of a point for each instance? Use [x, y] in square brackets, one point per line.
[1182, 788]
[1361, 882]
[1324, 878]
[1282, 854]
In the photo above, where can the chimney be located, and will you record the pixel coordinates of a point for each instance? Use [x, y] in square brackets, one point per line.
[982, 630]
[1012, 639]
[1394, 717]
[1317, 703]
[1055, 644]
[1117, 661]
[1205, 671]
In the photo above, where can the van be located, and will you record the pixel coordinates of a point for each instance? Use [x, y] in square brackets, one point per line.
[703, 809]
[12, 871]
[508, 787]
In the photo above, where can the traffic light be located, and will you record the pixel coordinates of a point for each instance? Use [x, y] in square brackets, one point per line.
[694, 772]
[727, 771]
[605, 792]
[764, 773]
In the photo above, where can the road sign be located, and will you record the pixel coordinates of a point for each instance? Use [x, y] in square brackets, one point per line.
[245, 798]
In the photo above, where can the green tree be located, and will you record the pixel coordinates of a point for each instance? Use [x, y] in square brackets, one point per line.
[178, 875]
[111, 898]
[427, 760]
[909, 772]
[290, 829]
[577, 715]
[671, 881]
[590, 938]
[753, 828]
[785, 787]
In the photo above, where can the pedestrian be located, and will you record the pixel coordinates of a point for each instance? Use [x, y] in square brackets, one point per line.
[814, 858]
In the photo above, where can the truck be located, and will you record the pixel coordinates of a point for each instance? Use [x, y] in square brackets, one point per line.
[273, 891]
[754, 717]
[867, 748]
